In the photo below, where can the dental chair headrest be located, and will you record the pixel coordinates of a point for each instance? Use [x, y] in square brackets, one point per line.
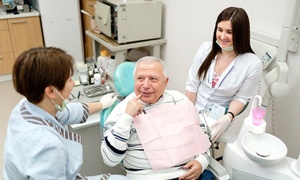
[123, 78]
[124, 84]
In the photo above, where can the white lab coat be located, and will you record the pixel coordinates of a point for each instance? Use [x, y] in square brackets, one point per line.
[38, 146]
[237, 82]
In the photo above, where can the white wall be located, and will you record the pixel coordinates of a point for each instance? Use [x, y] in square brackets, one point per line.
[187, 24]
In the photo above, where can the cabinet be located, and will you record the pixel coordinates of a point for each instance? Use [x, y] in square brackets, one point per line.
[17, 35]
[25, 33]
[6, 49]
[87, 5]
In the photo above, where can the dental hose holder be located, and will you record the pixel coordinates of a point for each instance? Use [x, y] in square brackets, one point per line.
[250, 125]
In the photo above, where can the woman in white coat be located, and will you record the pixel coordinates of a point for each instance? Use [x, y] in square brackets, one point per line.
[226, 70]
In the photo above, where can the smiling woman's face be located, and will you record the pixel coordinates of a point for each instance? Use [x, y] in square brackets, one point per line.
[150, 81]
[224, 34]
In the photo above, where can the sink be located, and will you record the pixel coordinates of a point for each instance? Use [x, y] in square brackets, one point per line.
[264, 149]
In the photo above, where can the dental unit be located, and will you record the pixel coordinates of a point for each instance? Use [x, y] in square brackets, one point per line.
[255, 154]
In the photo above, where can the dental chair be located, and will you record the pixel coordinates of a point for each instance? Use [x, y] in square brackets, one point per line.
[214, 166]
[124, 85]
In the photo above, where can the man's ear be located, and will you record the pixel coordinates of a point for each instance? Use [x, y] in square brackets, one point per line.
[166, 81]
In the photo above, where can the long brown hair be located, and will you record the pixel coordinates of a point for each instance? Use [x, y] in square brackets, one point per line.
[240, 36]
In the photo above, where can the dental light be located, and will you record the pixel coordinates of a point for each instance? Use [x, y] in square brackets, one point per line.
[276, 79]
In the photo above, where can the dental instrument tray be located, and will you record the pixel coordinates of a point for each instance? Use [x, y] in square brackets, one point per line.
[97, 90]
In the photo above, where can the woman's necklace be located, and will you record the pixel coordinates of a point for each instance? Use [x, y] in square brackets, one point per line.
[222, 63]
[220, 69]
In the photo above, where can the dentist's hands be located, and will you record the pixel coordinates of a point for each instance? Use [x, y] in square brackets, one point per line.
[219, 127]
[108, 100]
[134, 106]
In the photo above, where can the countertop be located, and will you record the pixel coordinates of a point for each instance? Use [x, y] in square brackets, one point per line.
[93, 119]
[20, 15]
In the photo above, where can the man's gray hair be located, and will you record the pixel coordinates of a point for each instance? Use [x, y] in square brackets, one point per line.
[151, 59]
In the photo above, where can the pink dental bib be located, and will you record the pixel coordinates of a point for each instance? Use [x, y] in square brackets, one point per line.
[171, 134]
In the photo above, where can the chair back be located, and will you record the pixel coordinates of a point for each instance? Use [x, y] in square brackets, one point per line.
[123, 84]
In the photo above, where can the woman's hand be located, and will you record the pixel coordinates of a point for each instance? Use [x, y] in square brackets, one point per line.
[219, 127]
[108, 100]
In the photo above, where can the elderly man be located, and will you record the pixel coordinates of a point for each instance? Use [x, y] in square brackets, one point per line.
[154, 132]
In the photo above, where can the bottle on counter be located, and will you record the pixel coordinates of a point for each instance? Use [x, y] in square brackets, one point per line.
[97, 78]
[91, 77]
[105, 75]
[96, 70]
[102, 59]
[111, 67]
[102, 80]
[90, 64]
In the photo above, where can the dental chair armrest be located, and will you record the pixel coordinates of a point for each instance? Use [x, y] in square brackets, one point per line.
[218, 170]
[226, 138]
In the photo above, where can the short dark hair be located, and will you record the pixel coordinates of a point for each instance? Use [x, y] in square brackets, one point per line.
[37, 68]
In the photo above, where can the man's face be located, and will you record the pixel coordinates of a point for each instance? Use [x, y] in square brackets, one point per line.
[149, 81]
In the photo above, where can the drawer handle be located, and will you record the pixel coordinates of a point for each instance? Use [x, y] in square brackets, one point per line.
[16, 22]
